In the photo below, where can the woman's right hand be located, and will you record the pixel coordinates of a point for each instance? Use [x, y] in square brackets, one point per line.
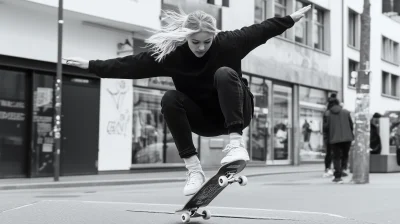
[78, 62]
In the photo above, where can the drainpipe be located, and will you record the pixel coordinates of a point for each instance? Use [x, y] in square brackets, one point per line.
[343, 48]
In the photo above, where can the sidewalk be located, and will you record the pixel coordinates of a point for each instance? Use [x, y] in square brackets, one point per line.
[140, 178]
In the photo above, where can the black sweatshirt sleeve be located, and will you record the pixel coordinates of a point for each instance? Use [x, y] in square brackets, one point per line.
[248, 38]
[139, 66]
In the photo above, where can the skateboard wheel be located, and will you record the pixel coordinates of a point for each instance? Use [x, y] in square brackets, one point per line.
[206, 214]
[243, 181]
[223, 181]
[185, 218]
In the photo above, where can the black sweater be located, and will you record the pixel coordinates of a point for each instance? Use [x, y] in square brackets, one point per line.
[191, 75]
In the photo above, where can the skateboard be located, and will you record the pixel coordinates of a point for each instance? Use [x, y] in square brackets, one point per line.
[211, 189]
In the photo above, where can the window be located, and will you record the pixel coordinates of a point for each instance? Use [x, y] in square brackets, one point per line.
[353, 29]
[260, 11]
[280, 11]
[353, 66]
[390, 50]
[390, 84]
[301, 28]
[280, 8]
[390, 7]
[318, 29]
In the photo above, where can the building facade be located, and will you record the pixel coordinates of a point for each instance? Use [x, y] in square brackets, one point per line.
[384, 54]
[114, 124]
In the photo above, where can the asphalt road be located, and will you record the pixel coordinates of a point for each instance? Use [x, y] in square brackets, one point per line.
[274, 199]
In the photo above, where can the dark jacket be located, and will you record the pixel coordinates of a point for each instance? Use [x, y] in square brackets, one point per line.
[374, 138]
[338, 125]
[191, 75]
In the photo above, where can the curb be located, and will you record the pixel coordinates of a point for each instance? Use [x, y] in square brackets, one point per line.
[120, 182]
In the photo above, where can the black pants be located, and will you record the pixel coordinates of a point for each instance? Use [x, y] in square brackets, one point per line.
[328, 157]
[184, 116]
[340, 157]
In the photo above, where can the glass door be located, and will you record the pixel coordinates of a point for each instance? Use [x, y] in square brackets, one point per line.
[260, 145]
[282, 124]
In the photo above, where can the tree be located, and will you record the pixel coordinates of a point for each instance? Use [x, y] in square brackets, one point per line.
[362, 122]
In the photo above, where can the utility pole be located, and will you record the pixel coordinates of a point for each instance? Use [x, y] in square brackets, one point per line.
[57, 96]
[360, 152]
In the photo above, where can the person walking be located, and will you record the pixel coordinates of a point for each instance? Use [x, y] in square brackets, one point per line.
[211, 97]
[338, 134]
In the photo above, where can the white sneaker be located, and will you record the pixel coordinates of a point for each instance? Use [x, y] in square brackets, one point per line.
[195, 179]
[235, 152]
[328, 173]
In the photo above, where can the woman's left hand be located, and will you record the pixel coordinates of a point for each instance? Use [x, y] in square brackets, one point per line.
[296, 16]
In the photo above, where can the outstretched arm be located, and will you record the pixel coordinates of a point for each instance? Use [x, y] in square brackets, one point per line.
[137, 66]
[248, 38]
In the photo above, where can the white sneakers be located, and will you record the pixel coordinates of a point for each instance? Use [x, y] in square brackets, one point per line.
[328, 173]
[195, 179]
[235, 151]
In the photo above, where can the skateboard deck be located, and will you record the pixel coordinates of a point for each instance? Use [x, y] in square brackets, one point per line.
[213, 187]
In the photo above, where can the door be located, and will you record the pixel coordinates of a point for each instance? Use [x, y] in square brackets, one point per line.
[282, 125]
[13, 150]
[260, 146]
[80, 126]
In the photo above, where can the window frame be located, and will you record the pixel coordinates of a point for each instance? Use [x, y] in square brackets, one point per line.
[357, 67]
[264, 11]
[387, 79]
[353, 29]
[390, 50]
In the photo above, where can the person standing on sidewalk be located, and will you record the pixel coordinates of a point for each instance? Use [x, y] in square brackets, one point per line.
[211, 97]
[338, 134]
[328, 155]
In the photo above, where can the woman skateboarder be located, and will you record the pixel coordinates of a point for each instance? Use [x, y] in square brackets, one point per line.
[211, 97]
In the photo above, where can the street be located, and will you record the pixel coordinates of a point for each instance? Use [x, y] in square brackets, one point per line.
[285, 198]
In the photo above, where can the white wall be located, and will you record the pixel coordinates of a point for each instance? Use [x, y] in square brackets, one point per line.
[33, 35]
[115, 134]
[380, 25]
[139, 12]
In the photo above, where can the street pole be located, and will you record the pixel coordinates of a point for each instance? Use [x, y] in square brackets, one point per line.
[361, 150]
[57, 97]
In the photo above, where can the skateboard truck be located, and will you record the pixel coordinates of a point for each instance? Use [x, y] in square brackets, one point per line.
[185, 217]
[223, 181]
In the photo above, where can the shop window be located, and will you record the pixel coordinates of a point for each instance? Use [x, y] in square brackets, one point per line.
[152, 141]
[13, 153]
[260, 124]
[312, 107]
[42, 123]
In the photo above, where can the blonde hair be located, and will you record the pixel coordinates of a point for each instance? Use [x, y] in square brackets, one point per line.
[179, 26]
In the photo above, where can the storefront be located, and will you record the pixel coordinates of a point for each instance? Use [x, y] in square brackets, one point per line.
[26, 119]
[152, 142]
[270, 136]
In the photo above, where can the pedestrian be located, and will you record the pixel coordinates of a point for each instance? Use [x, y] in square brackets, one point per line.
[328, 155]
[211, 97]
[374, 138]
[338, 134]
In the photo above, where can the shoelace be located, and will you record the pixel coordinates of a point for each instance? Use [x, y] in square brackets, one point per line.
[189, 180]
[229, 147]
